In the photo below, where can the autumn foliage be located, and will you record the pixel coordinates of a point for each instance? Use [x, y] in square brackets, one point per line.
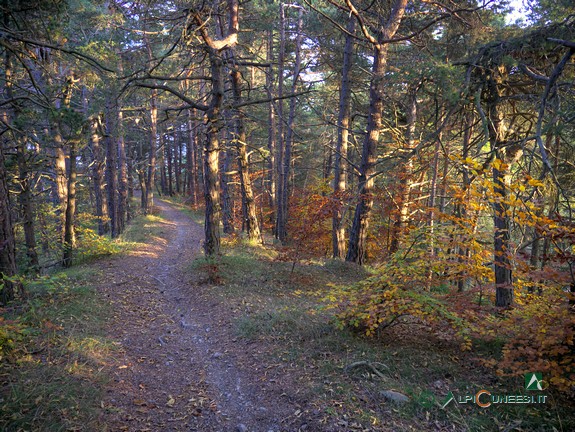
[441, 280]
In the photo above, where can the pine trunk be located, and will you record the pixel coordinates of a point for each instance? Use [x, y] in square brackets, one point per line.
[357, 246]
[343, 125]
[8, 249]
[122, 174]
[111, 166]
[69, 229]
[149, 199]
[283, 209]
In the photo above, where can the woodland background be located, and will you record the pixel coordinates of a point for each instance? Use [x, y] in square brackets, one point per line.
[432, 142]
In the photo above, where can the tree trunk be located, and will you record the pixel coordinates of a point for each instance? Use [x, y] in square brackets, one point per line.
[227, 210]
[504, 157]
[130, 172]
[8, 249]
[462, 282]
[111, 165]
[101, 208]
[149, 201]
[25, 194]
[178, 161]
[211, 162]
[280, 147]
[60, 174]
[272, 183]
[27, 208]
[214, 117]
[97, 175]
[211, 170]
[250, 212]
[169, 153]
[191, 160]
[69, 229]
[123, 202]
[404, 175]
[288, 144]
[343, 125]
[357, 245]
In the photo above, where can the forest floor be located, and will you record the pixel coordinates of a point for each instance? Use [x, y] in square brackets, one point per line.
[156, 338]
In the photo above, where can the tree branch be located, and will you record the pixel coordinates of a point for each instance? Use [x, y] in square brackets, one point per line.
[190, 102]
[88, 59]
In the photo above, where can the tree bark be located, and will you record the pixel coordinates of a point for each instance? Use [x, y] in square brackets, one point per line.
[357, 245]
[280, 147]
[272, 131]
[214, 117]
[69, 229]
[7, 241]
[211, 161]
[178, 161]
[123, 202]
[504, 156]
[59, 174]
[250, 213]
[191, 160]
[227, 206]
[27, 207]
[288, 144]
[343, 125]
[149, 201]
[25, 195]
[404, 175]
[167, 186]
[111, 165]
[97, 174]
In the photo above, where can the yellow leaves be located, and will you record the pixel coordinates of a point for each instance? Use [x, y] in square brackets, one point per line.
[535, 183]
[499, 165]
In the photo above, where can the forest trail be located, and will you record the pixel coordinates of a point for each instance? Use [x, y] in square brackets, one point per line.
[179, 366]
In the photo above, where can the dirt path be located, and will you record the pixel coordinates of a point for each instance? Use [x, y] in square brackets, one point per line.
[180, 367]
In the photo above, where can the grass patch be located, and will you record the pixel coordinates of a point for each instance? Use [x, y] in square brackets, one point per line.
[183, 204]
[52, 376]
[142, 230]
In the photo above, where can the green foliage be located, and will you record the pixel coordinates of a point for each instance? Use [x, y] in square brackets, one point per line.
[11, 334]
[91, 245]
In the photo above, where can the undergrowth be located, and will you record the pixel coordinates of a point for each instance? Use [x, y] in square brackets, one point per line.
[50, 368]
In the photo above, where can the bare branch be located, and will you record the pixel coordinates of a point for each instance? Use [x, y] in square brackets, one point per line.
[190, 102]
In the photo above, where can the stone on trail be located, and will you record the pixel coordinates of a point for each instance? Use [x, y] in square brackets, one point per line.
[394, 396]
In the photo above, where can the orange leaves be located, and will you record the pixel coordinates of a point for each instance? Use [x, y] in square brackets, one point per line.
[396, 296]
[309, 226]
[539, 336]
[499, 165]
